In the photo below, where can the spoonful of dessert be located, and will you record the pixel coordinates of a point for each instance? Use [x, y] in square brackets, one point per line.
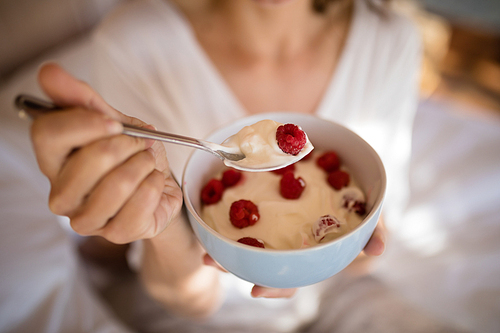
[263, 146]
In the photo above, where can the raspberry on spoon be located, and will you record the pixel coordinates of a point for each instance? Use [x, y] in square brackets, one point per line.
[290, 138]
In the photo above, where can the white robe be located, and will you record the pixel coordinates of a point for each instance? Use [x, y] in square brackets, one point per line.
[149, 64]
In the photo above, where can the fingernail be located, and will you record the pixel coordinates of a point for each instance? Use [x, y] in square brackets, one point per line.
[257, 295]
[113, 126]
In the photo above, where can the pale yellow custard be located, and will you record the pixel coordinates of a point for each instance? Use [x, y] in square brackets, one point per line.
[288, 223]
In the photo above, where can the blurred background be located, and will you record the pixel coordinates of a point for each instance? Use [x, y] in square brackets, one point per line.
[448, 259]
[462, 39]
[462, 48]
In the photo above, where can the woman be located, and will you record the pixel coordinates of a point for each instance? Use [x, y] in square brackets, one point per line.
[192, 66]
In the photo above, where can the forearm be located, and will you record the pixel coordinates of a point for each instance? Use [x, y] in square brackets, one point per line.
[173, 272]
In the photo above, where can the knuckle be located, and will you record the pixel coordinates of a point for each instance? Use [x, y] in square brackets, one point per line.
[128, 180]
[57, 202]
[108, 148]
[136, 122]
[148, 160]
[116, 238]
[150, 230]
[117, 235]
[153, 186]
[80, 224]
[132, 143]
[108, 152]
[125, 185]
[144, 164]
[147, 229]
[40, 133]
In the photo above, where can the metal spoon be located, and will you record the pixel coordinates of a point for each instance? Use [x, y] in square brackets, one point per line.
[31, 107]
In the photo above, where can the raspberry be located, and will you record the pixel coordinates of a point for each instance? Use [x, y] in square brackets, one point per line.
[282, 171]
[338, 179]
[231, 177]
[243, 213]
[324, 225]
[212, 192]
[251, 241]
[353, 199]
[290, 187]
[329, 161]
[359, 207]
[291, 139]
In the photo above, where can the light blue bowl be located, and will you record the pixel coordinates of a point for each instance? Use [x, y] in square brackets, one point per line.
[290, 268]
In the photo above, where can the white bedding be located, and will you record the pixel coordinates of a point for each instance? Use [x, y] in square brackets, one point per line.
[446, 256]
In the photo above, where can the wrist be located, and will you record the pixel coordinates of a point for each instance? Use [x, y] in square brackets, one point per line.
[173, 272]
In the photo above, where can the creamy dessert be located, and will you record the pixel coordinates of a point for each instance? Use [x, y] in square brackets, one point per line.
[307, 203]
[268, 145]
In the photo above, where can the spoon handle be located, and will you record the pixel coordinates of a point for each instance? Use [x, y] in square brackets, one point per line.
[146, 133]
[32, 107]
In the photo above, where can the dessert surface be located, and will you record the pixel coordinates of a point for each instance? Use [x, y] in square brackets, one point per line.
[307, 203]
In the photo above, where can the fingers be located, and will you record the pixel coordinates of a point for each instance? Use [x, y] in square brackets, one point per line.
[258, 291]
[132, 213]
[136, 219]
[56, 135]
[122, 157]
[110, 185]
[170, 202]
[207, 260]
[376, 244]
[374, 247]
[93, 206]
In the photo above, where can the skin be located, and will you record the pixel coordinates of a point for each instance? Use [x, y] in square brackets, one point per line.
[274, 55]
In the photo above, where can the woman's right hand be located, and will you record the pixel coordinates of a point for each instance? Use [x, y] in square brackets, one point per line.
[108, 184]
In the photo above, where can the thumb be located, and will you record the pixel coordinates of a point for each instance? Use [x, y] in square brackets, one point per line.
[65, 91]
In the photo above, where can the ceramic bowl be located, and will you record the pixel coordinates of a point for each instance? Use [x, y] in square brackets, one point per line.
[290, 268]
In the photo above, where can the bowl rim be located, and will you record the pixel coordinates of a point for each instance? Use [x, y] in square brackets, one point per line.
[319, 247]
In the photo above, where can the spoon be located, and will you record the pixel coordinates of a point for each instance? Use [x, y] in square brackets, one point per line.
[31, 107]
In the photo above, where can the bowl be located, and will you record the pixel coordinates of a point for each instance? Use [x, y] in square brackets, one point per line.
[290, 268]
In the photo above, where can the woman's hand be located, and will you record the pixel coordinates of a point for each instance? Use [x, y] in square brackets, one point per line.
[120, 187]
[374, 247]
[108, 184]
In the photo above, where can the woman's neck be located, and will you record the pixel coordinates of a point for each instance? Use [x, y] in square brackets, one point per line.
[272, 32]
[264, 31]
[272, 58]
